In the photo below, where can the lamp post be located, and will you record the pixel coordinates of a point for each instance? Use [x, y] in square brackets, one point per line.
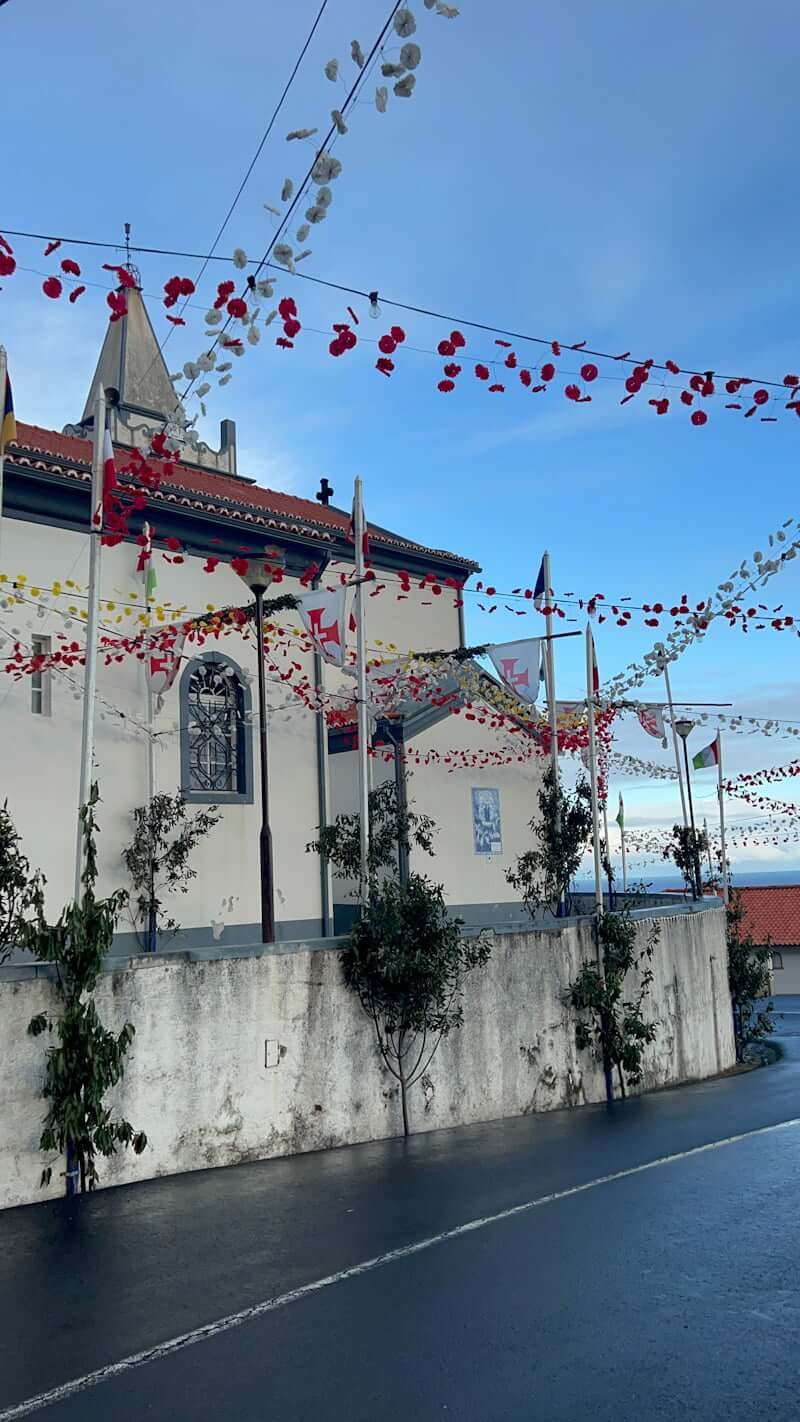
[684, 728]
[258, 578]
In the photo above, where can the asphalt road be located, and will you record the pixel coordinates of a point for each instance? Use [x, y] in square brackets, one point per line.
[671, 1290]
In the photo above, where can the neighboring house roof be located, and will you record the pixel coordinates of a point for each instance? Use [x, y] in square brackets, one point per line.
[227, 497]
[772, 913]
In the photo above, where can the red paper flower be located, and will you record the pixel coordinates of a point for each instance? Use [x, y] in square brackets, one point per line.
[287, 307]
[660, 406]
[446, 385]
[118, 305]
[224, 291]
[173, 544]
[237, 308]
[760, 396]
[284, 343]
[699, 417]
[589, 372]
[7, 265]
[240, 566]
[525, 377]
[547, 371]
[384, 365]
[70, 268]
[78, 291]
[733, 386]
[497, 389]
[124, 277]
[291, 327]
[482, 372]
[696, 383]
[452, 370]
[52, 246]
[633, 384]
[673, 368]
[791, 380]
[176, 320]
[687, 397]
[52, 287]
[387, 344]
[511, 361]
[457, 340]
[397, 334]
[446, 348]
[555, 348]
[572, 392]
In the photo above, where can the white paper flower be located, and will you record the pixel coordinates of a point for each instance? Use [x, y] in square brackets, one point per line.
[326, 168]
[226, 365]
[429, 4]
[206, 362]
[301, 133]
[404, 88]
[357, 54]
[381, 98]
[265, 289]
[332, 70]
[316, 214]
[301, 256]
[176, 377]
[224, 380]
[276, 212]
[282, 253]
[449, 12]
[337, 118]
[301, 233]
[190, 370]
[202, 390]
[404, 22]
[238, 350]
[324, 197]
[287, 189]
[253, 336]
[270, 318]
[410, 55]
[239, 258]
[392, 71]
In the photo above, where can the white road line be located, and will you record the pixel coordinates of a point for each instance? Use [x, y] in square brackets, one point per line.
[235, 1320]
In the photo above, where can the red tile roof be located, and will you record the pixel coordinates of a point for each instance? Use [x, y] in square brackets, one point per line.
[773, 912]
[254, 504]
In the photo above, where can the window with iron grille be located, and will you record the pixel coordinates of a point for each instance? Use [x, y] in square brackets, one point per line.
[215, 750]
[40, 679]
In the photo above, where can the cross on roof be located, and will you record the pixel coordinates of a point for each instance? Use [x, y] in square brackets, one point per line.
[325, 493]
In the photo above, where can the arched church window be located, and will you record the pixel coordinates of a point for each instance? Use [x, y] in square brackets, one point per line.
[216, 759]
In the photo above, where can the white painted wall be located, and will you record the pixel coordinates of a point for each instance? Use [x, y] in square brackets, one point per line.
[197, 1083]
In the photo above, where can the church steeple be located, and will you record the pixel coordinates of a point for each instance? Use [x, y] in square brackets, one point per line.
[142, 397]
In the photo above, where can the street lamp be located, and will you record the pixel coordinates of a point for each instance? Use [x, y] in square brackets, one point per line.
[258, 575]
[684, 727]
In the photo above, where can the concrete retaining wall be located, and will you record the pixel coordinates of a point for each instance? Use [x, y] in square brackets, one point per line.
[240, 1059]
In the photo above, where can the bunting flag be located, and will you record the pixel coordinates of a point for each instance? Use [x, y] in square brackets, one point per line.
[8, 424]
[518, 665]
[651, 720]
[539, 590]
[351, 533]
[322, 614]
[163, 665]
[621, 813]
[708, 756]
[145, 565]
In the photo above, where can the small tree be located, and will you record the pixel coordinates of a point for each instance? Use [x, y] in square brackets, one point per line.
[615, 1026]
[20, 887]
[749, 980]
[685, 848]
[88, 1059]
[563, 831]
[407, 961]
[390, 825]
[158, 861]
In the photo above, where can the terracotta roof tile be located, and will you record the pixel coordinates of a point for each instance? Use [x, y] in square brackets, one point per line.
[231, 496]
[772, 911]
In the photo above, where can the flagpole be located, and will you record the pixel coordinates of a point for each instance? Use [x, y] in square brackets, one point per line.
[93, 610]
[665, 669]
[622, 846]
[598, 868]
[725, 885]
[608, 844]
[361, 670]
[3, 378]
[152, 922]
[550, 664]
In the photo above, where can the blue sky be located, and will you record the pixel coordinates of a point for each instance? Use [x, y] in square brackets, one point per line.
[608, 174]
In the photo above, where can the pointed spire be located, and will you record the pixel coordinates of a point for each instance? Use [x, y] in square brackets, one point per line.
[132, 364]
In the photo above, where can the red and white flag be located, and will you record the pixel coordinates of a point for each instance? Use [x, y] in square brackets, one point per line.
[110, 481]
[163, 665]
[518, 666]
[322, 613]
[651, 720]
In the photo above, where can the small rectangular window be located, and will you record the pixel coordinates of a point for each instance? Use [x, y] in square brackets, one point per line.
[40, 680]
[777, 961]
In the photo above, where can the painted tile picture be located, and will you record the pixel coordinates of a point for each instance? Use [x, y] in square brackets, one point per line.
[486, 827]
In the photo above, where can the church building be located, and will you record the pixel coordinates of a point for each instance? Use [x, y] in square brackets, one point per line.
[455, 759]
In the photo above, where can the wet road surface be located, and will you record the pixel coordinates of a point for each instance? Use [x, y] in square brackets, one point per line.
[668, 1291]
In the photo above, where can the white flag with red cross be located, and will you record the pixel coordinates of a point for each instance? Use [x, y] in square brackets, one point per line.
[322, 613]
[163, 665]
[518, 666]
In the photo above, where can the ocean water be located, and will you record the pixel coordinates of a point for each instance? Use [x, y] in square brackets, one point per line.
[741, 879]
